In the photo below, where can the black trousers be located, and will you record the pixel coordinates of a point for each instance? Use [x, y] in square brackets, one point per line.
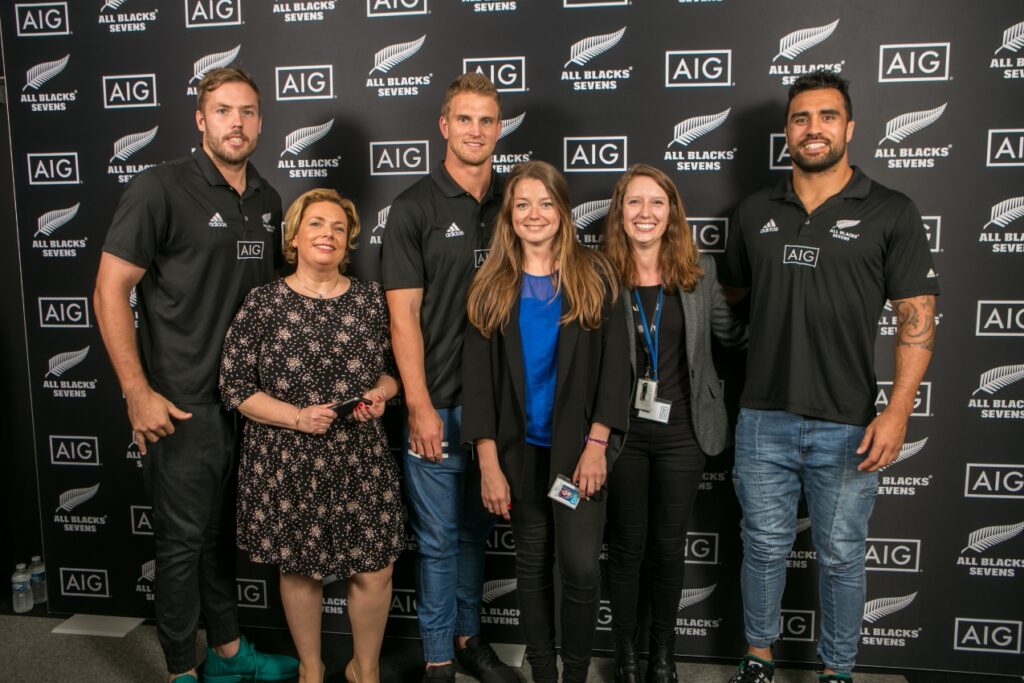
[190, 480]
[651, 491]
[542, 530]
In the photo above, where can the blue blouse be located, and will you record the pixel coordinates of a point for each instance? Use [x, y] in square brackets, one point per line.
[540, 308]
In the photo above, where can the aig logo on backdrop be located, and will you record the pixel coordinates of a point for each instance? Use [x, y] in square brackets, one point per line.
[129, 91]
[501, 541]
[594, 154]
[1001, 636]
[701, 547]
[142, 520]
[1000, 319]
[1005, 147]
[36, 19]
[507, 73]
[922, 400]
[84, 583]
[576, 4]
[53, 168]
[893, 555]
[63, 311]
[778, 153]
[709, 234]
[304, 82]
[395, 8]
[993, 480]
[211, 13]
[400, 157]
[403, 604]
[252, 593]
[796, 624]
[698, 68]
[913, 62]
[1013, 41]
[74, 450]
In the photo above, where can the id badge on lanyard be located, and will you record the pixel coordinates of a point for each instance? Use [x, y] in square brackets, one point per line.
[647, 386]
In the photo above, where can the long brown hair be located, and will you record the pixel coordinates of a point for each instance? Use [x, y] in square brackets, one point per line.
[678, 257]
[584, 276]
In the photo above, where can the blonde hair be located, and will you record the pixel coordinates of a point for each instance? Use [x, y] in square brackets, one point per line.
[584, 275]
[293, 219]
[678, 258]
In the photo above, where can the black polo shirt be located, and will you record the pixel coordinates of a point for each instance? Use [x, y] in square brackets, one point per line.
[437, 235]
[818, 283]
[203, 248]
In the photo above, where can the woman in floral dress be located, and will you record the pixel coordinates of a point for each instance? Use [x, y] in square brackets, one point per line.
[318, 491]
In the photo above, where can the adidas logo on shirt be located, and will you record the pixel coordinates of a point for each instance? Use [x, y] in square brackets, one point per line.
[932, 273]
[217, 222]
[769, 226]
[453, 231]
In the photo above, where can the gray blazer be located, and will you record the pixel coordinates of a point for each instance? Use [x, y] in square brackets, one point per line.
[705, 312]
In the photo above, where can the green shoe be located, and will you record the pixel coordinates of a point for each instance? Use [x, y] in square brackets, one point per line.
[185, 678]
[248, 665]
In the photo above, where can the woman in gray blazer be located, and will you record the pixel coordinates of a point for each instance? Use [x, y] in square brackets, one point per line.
[677, 416]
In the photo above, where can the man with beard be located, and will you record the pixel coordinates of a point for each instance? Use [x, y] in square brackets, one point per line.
[192, 236]
[437, 234]
[820, 254]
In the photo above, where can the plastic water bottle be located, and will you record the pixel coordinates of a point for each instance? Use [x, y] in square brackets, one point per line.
[21, 589]
[38, 571]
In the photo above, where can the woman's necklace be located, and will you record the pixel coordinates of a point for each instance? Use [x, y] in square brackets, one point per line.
[319, 294]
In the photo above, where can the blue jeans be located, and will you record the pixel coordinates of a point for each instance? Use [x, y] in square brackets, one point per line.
[776, 453]
[451, 527]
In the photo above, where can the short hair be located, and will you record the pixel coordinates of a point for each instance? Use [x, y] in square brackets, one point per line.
[473, 82]
[819, 80]
[293, 218]
[218, 77]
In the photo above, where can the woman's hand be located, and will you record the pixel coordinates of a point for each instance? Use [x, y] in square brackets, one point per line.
[494, 491]
[592, 469]
[315, 419]
[371, 408]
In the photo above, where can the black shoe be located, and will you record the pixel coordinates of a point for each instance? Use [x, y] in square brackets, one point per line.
[481, 662]
[754, 670]
[627, 666]
[661, 662]
[439, 674]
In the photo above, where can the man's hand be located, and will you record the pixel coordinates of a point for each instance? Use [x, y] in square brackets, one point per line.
[591, 470]
[150, 415]
[426, 432]
[884, 437]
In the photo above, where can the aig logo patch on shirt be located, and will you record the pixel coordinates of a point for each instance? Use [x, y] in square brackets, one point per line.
[800, 255]
[479, 256]
[250, 250]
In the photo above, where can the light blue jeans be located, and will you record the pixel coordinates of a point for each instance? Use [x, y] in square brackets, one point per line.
[451, 527]
[776, 453]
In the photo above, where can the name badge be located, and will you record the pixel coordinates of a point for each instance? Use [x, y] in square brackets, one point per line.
[646, 394]
[659, 413]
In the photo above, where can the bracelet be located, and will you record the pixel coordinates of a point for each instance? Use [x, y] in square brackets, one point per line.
[594, 439]
[297, 418]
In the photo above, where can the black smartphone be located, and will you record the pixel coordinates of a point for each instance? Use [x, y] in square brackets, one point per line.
[345, 408]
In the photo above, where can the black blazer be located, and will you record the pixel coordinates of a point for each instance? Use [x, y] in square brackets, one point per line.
[592, 386]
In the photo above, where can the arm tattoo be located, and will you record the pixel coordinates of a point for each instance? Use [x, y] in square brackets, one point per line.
[915, 322]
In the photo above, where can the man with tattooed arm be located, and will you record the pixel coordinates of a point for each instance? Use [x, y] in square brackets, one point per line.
[819, 255]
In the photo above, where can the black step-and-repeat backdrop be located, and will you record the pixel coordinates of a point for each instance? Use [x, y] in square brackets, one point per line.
[100, 89]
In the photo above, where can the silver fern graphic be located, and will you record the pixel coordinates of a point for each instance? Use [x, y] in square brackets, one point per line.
[691, 596]
[41, 73]
[217, 60]
[905, 125]
[130, 144]
[846, 224]
[112, 4]
[133, 301]
[997, 378]
[386, 59]
[882, 607]
[796, 42]
[1006, 212]
[148, 571]
[51, 220]
[584, 50]
[497, 588]
[302, 138]
[72, 498]
[803, 524]
[509, 126]
[63, 362]
[1013, 38]
[382, 218]
[690, 129]
[907, 451]
[986, 537]
[588, 212]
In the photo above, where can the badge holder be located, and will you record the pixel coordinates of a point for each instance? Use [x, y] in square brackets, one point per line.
[565, 492]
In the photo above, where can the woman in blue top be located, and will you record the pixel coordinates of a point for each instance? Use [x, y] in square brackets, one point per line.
[545, 387]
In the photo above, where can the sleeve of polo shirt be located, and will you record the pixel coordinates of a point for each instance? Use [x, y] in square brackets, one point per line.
[909, 269]
[140, 222]
[401, 264]
[735, 270]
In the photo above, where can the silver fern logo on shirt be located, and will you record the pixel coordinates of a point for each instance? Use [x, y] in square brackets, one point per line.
[1008, 59]
[71, 521]
[301, 139]
[1000, 393]
[291, 12]
[124, 148]
[37, 92]
[898, 129]
[688, 131]
[504, 161]
[785, 65]
[582, 52]
[207, 63]
[56, 384]
[130, 20]
[49, 246]
[385, 84]
[1004, 230]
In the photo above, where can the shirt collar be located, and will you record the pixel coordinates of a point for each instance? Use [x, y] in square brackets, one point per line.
[450, 188]
[857, 187]
[214, 177]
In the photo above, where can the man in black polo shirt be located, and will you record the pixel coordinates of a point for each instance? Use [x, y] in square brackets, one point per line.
[820, 254]
[193, 236]
[437, 235]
